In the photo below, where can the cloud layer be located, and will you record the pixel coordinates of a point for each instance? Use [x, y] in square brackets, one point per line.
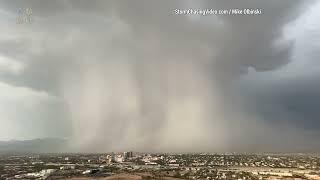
[133, 75]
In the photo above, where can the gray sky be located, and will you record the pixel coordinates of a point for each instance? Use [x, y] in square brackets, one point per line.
[119, 75]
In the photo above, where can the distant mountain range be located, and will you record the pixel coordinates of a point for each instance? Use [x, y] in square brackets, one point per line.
[46, 145]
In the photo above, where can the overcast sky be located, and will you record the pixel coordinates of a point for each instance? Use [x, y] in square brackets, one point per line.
[133, 75]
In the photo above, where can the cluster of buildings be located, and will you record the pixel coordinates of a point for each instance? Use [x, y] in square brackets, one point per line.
[43, 174]
[182, 166]
[116, 157]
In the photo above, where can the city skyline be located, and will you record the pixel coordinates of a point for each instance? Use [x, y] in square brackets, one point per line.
[144, 76]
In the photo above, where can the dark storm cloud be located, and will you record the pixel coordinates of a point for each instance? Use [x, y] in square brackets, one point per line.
[294, 101]
[135, 75]
[248, 39]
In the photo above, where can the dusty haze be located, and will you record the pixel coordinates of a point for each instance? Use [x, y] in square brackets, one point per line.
[124, 75]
